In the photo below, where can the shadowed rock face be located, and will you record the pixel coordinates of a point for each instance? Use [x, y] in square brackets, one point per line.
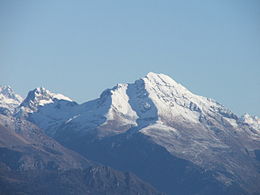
[33, 163]
[93, 180]
[154, 164]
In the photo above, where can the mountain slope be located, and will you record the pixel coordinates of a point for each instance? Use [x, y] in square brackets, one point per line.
[33, 163]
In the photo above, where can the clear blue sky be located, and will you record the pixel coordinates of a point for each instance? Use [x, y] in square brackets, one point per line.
[79, 48]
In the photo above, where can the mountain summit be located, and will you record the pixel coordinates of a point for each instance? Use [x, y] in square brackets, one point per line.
[9, 100]
[45, 108]
[41, 96]
[154, 99]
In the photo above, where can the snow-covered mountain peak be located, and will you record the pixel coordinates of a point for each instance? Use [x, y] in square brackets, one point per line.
[171, 99]
[40, 97]
[158, 96]
[9, 100]
[151, 85]
[41, 91]
[160, 79]
[45, 108]
[8, 92]
[163, 80]
[154, 98]
[165, 87]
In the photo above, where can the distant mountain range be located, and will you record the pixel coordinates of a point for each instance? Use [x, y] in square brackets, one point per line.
[155, 128]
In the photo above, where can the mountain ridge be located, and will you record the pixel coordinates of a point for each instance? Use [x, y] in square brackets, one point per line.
[194, 128]
[9, 100]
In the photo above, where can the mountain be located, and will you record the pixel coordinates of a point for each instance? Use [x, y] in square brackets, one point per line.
[40, 97]
[33, 163]
[163, 133]
[44, 108]
[9, 100]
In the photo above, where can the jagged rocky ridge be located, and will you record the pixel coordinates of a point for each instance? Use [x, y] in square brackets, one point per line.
[193, 132]
[9, 100]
